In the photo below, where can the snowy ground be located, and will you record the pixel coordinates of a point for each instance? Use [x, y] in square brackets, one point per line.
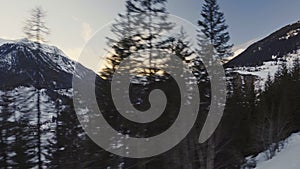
[267, 68]
[287, 158]
[4, 41]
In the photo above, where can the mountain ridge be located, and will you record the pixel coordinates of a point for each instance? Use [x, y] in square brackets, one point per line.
[27, 63]
[277, 45]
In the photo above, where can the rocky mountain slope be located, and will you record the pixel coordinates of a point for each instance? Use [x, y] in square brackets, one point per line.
[277, 45]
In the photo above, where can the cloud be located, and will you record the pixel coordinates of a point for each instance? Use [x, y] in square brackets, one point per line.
[86, 29]
[85, 33]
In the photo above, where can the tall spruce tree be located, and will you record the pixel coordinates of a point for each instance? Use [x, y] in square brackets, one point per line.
[139, 29]
[24, 129]
[136, 32]
[142, 28]
[36, 30]
[5, 127]
[212, 25]
[213, 41]
[35, 27]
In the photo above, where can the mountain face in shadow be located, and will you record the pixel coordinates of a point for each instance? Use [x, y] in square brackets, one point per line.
[277, 45]
[23, 63]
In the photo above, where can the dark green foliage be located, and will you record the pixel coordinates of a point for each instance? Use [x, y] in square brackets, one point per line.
[212, 25]
[35, 27]
[253, 119]
[258, 120]
[138, 30]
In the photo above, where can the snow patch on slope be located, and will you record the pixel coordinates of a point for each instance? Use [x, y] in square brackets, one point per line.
[51, 54]
[4, 41]
[290, 34]
[270, 67]
[286, 158]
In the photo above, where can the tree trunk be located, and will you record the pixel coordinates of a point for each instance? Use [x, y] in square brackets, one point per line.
[210, 154]
[39, 130]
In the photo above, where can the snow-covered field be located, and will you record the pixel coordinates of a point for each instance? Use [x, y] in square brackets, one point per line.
[286, 158]
[270, 67]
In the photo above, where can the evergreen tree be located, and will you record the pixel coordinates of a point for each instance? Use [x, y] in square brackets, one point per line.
[24, 129]
[144, 27]
[212, 25]
[296, 70]
[5, 127]
[295, 96]
[138, 31]
[151, 24]
[67, 150]
[213, 41]
[36, 30]
[35, 27]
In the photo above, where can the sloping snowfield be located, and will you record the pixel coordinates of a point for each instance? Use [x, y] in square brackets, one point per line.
[286, 158]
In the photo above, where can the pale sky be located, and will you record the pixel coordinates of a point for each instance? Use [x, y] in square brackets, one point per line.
[73, 22]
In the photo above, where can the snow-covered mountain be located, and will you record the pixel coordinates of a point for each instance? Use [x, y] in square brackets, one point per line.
[274, 55]
[35, 78]
[4, 41]
[277, 45]
[27, 67]
[22, 63]
[265, 57]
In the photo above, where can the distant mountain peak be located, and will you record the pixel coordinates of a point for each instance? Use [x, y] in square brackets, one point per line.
[21, 63]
